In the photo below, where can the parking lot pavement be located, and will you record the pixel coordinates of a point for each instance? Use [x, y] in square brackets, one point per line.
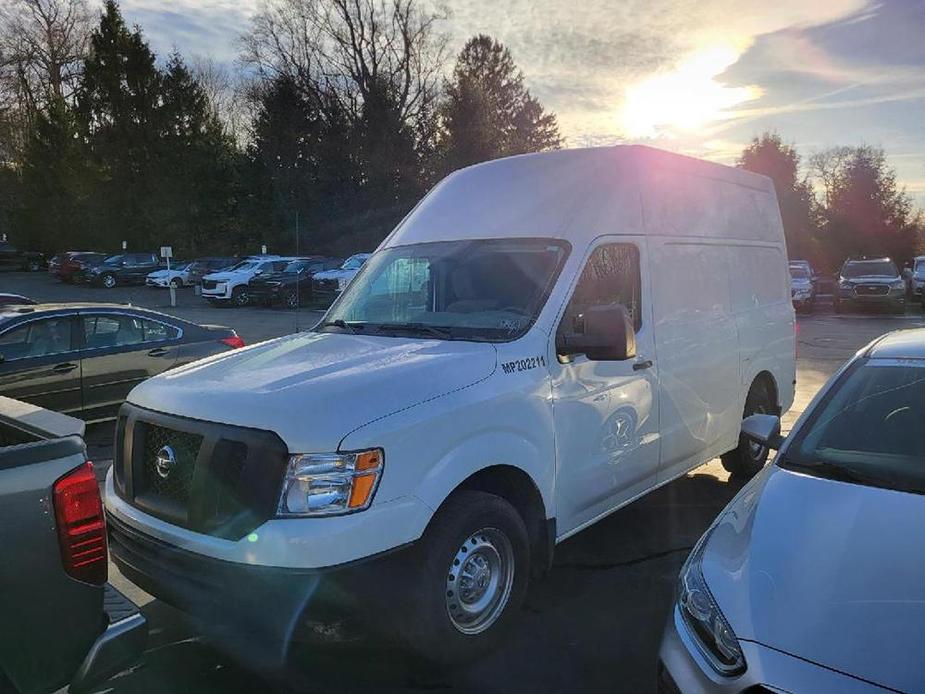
[593, 624]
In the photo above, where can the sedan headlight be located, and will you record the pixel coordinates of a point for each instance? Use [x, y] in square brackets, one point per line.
[709, 627]
[324, 484]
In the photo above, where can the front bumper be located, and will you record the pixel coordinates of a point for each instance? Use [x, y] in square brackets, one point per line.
[894, 297]
[256, 612]
[682, 668]
[219, 292]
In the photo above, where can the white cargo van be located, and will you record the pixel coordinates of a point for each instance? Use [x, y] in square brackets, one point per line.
[541, 341]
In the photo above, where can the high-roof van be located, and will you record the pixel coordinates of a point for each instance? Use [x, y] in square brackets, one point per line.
[541, 341]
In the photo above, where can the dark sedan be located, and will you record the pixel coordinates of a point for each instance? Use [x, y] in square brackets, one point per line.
[127, 268]
[83, 359]
[203, 266]
[291, 286]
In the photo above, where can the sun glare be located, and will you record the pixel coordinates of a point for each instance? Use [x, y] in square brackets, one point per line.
[685, 99]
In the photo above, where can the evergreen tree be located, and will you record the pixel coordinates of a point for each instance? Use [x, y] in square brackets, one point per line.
[488, 112]
[118, 108]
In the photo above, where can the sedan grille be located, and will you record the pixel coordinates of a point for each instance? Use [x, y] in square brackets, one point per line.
[209, 284]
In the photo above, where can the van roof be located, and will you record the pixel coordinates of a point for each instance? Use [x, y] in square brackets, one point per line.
[579, 194]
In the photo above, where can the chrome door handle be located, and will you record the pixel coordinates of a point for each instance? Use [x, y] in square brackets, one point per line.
[158, 352]
[642, 365]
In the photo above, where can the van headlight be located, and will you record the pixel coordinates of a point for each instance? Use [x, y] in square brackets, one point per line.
[708, 626]
[325, 484]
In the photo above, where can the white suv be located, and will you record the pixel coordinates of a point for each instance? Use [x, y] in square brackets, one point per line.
[230, 286]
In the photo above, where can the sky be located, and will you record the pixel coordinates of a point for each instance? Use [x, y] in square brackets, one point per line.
[696, 76]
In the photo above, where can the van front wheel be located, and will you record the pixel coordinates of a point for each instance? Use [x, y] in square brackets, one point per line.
[471, 572]
[747, 459]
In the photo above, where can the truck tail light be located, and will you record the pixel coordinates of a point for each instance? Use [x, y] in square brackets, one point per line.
[235, 341]
[81, 525]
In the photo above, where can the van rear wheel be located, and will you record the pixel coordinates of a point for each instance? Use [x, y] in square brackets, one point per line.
[470, 575]
[747, 459]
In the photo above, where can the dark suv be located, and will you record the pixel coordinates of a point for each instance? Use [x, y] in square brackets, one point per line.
[203, 266]
[11, 258]
[870, 282]
[127, 268]
[291, 286]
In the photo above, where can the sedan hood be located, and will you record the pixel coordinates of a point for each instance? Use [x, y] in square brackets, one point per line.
[872, 279]
[827, 571]
[315, 388]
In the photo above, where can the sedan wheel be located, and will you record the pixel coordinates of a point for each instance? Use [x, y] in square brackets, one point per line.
[292, 301]
[240, 296]
[109, 281]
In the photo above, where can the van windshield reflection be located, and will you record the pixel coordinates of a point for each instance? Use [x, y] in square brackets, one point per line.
[479, 290]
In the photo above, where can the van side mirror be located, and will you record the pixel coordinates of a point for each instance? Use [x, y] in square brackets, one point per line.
[763, 429]
[602, 333]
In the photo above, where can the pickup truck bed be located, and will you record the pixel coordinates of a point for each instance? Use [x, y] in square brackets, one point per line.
[54, 628]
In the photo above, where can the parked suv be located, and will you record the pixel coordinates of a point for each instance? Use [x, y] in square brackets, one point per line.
[544, 339]
[870, 282]
[230, 286]
[11, 258]
[334, 281]
[127, 268]
[293, 284]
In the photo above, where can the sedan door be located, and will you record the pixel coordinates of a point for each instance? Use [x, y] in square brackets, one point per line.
[120, 350]
[41, 363]
[138, 267]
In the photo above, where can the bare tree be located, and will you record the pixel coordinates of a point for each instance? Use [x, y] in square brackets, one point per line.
[347, 51]
[43, 44]
[227, 95]
[827, 167]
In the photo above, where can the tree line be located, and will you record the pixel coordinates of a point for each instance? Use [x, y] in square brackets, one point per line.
[337, 120]
[844, 202]
[339, 115]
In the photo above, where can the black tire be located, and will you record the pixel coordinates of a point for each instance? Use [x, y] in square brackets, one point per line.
[176, 283]
[108, 281]
[240, 296]
[34, 266]
[291, 300]
[422, 615]
[747, 459]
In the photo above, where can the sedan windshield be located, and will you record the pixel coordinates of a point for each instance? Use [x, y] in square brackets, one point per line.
[877, 268]
[296, 266]
[114, 260]
[481, 290]
[799, 273]
[869, 428]
[353, 263]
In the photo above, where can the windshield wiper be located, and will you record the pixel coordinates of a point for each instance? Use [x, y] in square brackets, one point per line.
[432, 330]
[340, 323]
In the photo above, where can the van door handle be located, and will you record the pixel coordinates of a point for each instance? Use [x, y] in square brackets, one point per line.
[642, 365]
[158, 352]
[64, 368]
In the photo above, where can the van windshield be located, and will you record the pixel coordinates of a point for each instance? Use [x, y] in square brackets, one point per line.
[479, 290]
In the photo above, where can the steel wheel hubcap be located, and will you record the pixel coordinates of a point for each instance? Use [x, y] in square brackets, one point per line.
[479, 581]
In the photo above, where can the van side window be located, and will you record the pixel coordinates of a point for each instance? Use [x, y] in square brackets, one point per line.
[611, 276]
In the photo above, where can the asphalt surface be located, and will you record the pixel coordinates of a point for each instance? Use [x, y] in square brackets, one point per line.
[592, 625]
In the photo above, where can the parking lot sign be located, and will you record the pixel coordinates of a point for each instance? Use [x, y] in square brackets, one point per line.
[166, 252]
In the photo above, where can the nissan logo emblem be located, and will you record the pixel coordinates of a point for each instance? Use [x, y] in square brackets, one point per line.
[165, 461]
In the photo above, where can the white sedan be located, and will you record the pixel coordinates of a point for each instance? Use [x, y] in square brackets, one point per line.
[177, 275]
[813, 578]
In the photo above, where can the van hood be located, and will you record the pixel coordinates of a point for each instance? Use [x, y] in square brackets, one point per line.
[313, 389]
[826, 571]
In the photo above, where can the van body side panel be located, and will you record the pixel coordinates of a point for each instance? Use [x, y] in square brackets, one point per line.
[504, 419]
[697, 345]
[764, 316]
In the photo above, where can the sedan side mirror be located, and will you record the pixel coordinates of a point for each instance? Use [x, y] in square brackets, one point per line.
[763, 429]
[604, 333]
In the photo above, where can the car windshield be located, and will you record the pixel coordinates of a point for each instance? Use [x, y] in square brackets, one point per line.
[919, 265]
[874, 268]
[353, 263]
[244, 265]
[869, 428]
[296, 266]
[799, 273]
[481, 290]
[114, 260]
